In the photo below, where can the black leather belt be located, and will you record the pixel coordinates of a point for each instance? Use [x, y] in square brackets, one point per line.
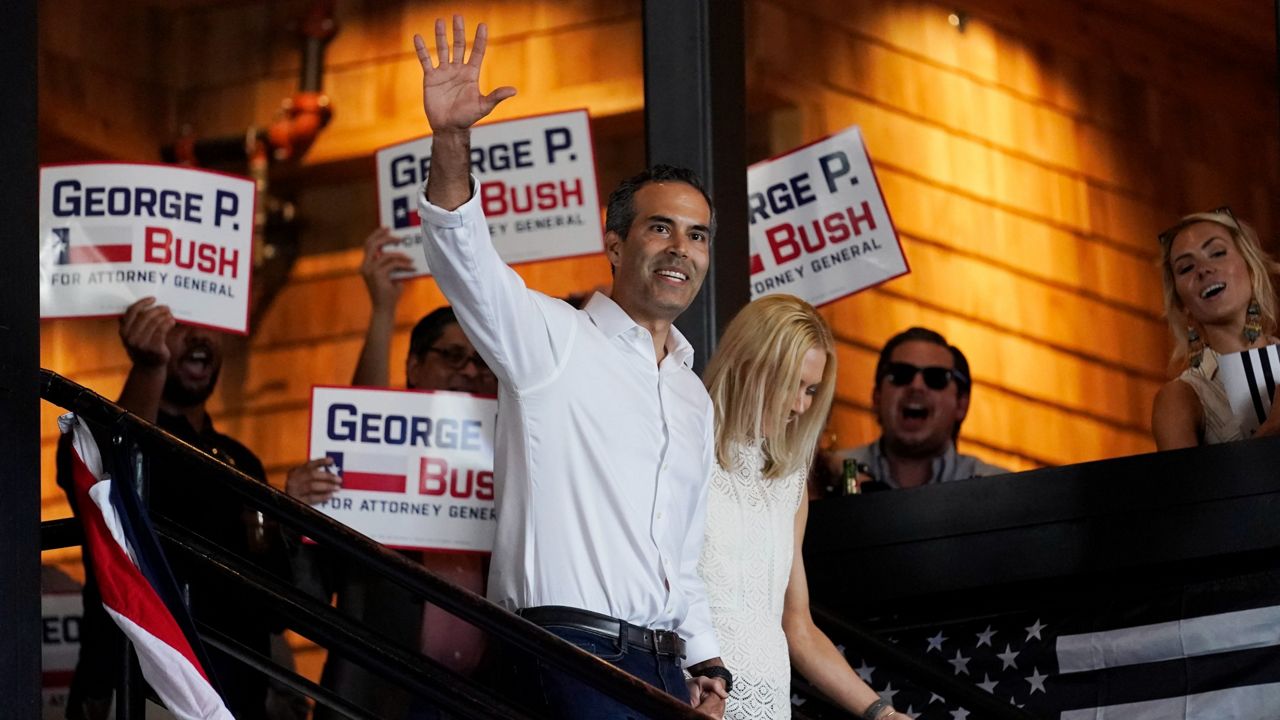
[661, 642]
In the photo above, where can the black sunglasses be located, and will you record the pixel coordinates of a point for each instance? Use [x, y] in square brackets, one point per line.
[457, 358]
[1166, 236]
[935, 378]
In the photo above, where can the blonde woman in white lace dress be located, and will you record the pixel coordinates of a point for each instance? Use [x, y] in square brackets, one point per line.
[772, 380]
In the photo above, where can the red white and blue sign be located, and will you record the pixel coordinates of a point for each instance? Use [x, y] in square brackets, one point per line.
[819, 227]
[112, 233]
[416, 467]
[537, 187]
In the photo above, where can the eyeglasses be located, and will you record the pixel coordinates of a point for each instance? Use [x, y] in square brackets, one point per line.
[935, 378]
[457, 358]
[1166, 236]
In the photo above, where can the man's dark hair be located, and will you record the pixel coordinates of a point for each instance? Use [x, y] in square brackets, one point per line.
[964, 381]
[622, 208]
[430, 328]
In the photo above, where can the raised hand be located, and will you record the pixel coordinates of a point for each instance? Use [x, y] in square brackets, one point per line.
[378, 268]
[143, 330]
[451, 94]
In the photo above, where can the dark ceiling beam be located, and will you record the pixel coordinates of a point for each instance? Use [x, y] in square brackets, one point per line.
[19, 367]
[694, 98]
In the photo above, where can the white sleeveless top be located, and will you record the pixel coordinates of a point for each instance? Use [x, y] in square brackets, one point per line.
[745, 564]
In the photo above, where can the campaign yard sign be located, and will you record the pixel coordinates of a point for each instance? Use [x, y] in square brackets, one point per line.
[60, 618]
[819, 227]
[416, 467]
[111, 233]
[537, 187]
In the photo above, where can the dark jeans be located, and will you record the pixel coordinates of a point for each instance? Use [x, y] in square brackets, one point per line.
[564, 696]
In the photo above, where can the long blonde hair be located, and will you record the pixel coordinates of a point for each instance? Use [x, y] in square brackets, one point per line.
[754, 375]
[1261, 268]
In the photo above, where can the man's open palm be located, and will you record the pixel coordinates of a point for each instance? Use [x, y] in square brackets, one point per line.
[451, 93]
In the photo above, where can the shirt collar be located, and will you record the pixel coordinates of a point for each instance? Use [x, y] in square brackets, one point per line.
[678, 348]
[613, 321]
[607, 315]
[943, 465]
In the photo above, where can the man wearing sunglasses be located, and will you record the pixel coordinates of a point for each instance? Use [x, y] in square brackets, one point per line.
[921, 397]
[440, 357]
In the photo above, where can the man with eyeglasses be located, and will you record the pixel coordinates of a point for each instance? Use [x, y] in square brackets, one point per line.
[440, 357]
[921, 397]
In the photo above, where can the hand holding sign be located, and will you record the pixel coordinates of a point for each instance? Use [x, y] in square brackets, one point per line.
[144, 329]
[381, 267]
[313, 482]
[451, 90]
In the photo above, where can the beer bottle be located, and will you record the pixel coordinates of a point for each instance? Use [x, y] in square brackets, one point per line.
[850, 485]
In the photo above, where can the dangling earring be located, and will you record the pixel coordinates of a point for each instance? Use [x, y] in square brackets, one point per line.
[1252, 322]
[1195, 347]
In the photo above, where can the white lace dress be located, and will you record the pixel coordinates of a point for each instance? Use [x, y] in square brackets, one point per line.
[745, 563]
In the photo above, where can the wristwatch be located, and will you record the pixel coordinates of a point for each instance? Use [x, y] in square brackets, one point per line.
[718, 671]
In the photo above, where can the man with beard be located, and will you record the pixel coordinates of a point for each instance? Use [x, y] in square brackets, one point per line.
[603, 447]
[921, 397]
[174, 371]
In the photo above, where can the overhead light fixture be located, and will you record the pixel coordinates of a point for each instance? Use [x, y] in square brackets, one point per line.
[958, 19]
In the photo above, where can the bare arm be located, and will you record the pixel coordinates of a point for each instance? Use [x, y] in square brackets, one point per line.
[143, 330]
[812, 652]
[374, 367]
[1176, 417]
[453, 102]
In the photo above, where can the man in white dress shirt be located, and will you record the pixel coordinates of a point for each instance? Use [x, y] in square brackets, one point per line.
[604, 432]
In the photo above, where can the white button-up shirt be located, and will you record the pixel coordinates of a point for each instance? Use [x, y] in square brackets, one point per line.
[602, 454]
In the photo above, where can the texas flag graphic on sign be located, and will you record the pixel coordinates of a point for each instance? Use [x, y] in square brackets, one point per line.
[379, 473]
[404, 216]
[112, 246]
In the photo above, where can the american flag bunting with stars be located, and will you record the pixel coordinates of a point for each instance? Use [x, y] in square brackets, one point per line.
[1203, 650]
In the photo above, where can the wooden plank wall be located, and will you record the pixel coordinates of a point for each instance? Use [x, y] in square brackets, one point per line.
[1027, 161]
